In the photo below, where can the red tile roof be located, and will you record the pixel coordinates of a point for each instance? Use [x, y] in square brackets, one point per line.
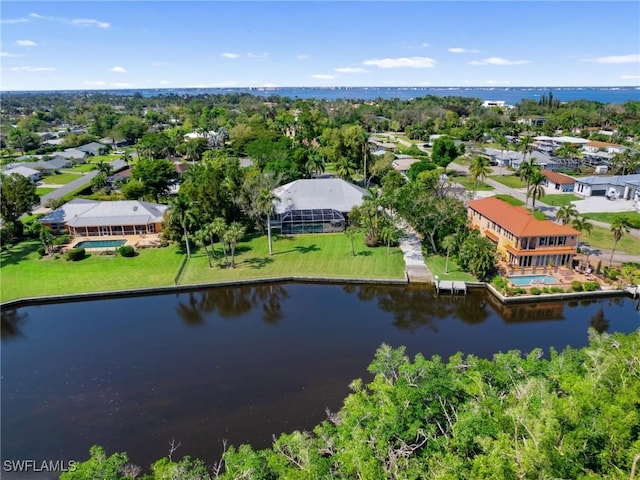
[558, 178]
[517, 220]
[597, 144]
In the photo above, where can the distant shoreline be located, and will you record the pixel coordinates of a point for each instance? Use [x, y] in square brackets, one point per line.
[511, 95]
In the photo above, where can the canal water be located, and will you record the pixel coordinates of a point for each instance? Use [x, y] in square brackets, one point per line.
[241, 364]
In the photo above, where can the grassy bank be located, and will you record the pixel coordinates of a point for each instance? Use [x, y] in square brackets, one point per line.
[436, 264]
[607, 217]
[511, 181]
[327, 255]
[24, 275]
[559, 200]
[603, 238]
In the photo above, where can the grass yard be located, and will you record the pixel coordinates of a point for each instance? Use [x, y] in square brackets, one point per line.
[603, 238]
[510, 200]
[469, 184]
[511, 181]
[322, 255]
[60, 179]
[81, 168]
[24, 275]
[40, 191]
[436, 264]
[607, 217]
[559, 200]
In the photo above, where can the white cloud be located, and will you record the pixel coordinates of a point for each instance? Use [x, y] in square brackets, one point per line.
[7, 54]
[165, 82]
[321, 76]
[257, 55]
[350, 70]
[118, 69]
[630, 77]
[229, 55]
[26, 43]
[499, 61]
[269, 85]
[121, 85]
[94, 83]
[89, 22]
[303, 56]
[498, 82]
[403, 62]
[32, 69]
[14, 20]
[40, 17]
[632, 58]
[463, 50]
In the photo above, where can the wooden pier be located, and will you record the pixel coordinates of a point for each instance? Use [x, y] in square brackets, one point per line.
[450, 286]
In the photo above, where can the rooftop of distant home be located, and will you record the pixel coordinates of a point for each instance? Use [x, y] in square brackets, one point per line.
[518, 220]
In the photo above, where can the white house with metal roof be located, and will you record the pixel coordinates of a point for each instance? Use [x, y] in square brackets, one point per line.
[318, 205]
[90, 218]
[626, 187]
[30, 173]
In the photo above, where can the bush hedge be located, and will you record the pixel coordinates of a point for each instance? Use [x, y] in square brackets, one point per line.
[76, 254]
[127, 251]
[576, 286]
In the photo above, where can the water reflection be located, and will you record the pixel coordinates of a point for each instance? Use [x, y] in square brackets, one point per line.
[599, 322]
[195, 306]
[10, 320]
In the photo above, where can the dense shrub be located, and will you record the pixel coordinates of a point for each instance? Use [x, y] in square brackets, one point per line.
[42, 252]
[576, 286]
[535, 291]
[590, 286]
[127, 251]
[61, 240]
[76, 254]
[499, 282]
[557, 290]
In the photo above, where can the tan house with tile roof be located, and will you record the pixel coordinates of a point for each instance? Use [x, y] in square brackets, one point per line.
[522, 240]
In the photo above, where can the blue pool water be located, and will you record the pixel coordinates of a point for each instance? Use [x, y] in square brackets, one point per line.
[526, 280]
[101, 244]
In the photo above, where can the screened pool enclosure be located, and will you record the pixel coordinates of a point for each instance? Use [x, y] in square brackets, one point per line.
[323, 220]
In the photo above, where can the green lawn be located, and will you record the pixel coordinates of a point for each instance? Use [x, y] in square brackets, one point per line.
[469, 184]
[510, 200]
[24, 275]
[560, 199]
[607, 217]
[322, 255]
[603, 238]
[60, 179]
[81, 168]
[511, 181]
[436, 264]
[40, 191]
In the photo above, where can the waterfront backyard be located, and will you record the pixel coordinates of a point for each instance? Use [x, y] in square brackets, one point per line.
[25, 275]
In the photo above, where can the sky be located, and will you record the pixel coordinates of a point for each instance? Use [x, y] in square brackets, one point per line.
[61, 45]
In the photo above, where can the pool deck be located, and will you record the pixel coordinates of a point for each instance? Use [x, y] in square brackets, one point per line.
[564, 275]
[150, 240]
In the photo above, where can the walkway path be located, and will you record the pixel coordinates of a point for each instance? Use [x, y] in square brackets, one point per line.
[411, 246]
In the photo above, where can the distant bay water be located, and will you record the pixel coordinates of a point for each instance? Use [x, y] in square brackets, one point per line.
[511, 95]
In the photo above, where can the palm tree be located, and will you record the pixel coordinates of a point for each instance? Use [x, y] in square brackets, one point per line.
[219, 228]
[619, 227]
[525, 147]
[126, 157]
[315, 163]
[233, 234]
[202, 237]
[265, 207]
[345, 167]
[182, 208]
[526, 172]
[448, 243]
[582, 224]
[389, 234]
[479, 169]
[104, 167]
[351, 233]
[504, 143]
[536, 189]
[567, 213]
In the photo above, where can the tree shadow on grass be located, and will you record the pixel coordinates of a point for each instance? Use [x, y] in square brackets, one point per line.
[258, 262]
[310, 248]
[17, 253]
[364, 253]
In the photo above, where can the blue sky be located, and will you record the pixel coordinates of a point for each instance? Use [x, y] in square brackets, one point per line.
[168, 44]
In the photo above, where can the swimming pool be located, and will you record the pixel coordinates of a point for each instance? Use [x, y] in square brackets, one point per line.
[527, 280]
[100, 244]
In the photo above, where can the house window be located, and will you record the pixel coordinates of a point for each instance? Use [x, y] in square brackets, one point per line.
[562, 240]
[543, 241]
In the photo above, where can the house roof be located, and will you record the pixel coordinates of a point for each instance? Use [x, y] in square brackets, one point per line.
[517, 220]
[558, 178]
[24, 171]
[318, 193]
[89, 213]
[90, 147]
[596, 144]
[403, 164]
[72, 153]
[609, 179]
